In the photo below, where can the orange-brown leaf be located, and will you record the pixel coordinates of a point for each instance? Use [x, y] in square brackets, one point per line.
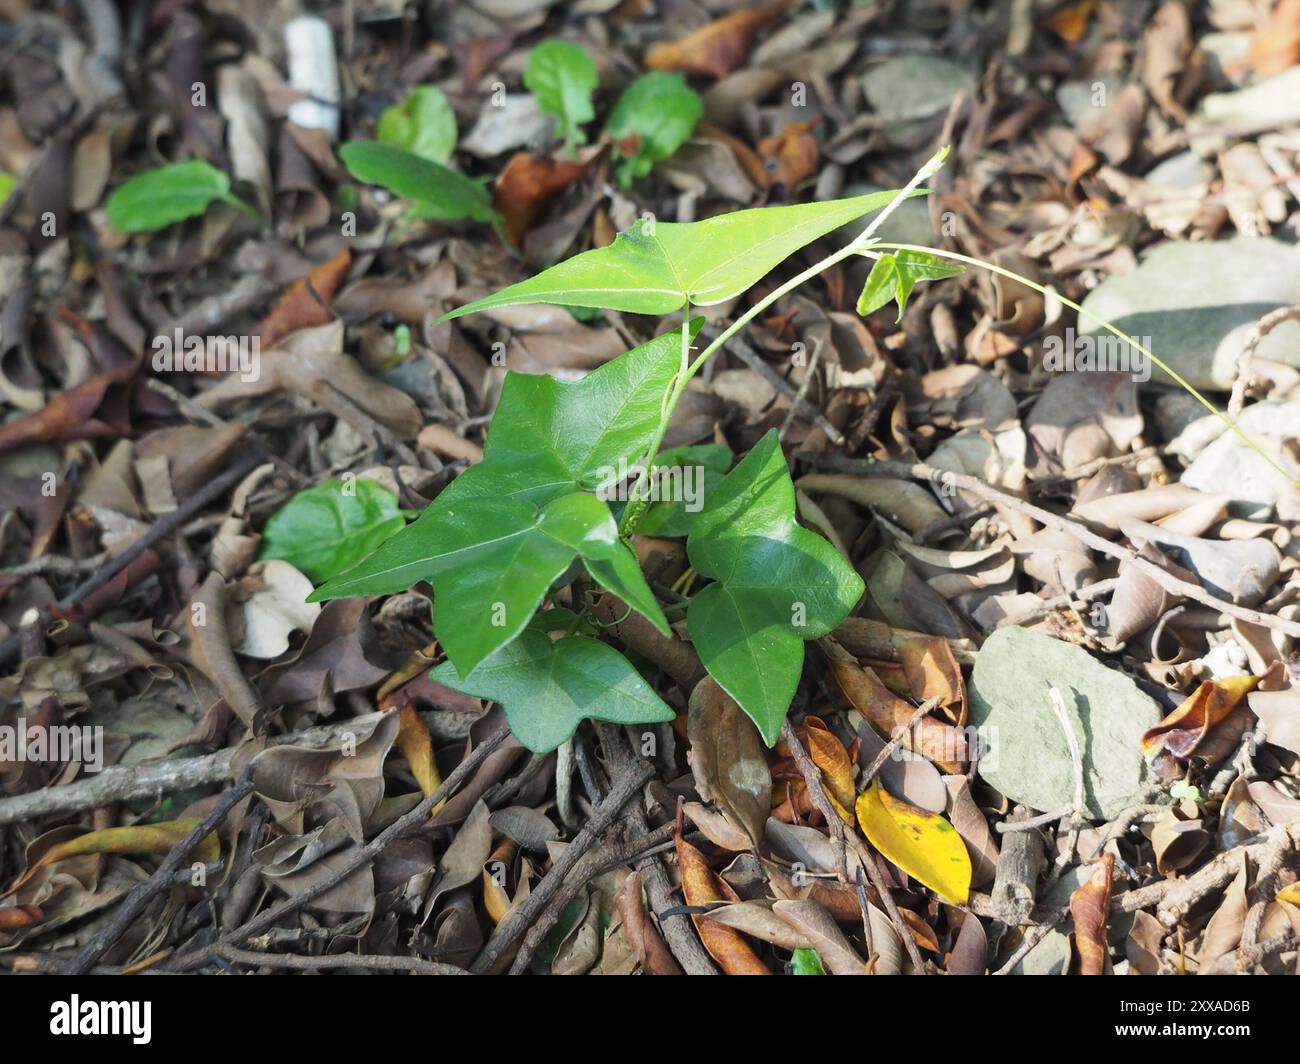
[1276, 47]
[306, 303]
[701, 887]
[829, 755]
[14, 917]
[791, 155]
[942, 743]
[414, 741]
[527, 184]
[1090, 907]
[715, 50]
[1186, 727]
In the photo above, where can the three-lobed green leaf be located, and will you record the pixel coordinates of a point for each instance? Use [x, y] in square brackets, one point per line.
[893, 276]
[325, 530]
[775, 585]
[563, 79]
[549, 436]
[169, 194]
[653, 118]
[437, 193]
[423, 124]
[658, 267]
[547, 687]
[491, 562]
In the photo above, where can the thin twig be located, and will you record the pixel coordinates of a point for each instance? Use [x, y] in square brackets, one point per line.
[516, 923]
[900, 733]
[140, 897]
[399, 828]
[374, 963]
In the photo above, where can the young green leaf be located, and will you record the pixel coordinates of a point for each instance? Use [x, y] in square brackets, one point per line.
[775, 585]
[806, 962]
[679, 473]
[551, 437]
[438, 193]
[158, 198]
[491, 562]
[547, 687]
[657, 267]
[656, 114]
[893, 277]
[563, 78]
[424, 124]
[326, 530]
[7, 185]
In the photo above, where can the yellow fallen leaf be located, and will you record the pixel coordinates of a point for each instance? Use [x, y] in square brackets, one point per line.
[1290, 894]
[157, 839]
[923, 845]
[414, 741]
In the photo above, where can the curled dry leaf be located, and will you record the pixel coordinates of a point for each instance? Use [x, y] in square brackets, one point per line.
[728, 759]
[715, 50]
[526, 186]
[307, 301]
[1090, 907]
[836, 766]
[141, 839]
[646, 942]
[1180, 733]
[941, 743]
[701, 886]
[414, 741]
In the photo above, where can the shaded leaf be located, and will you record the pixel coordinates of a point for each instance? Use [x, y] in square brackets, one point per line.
[439, 194]
[326, 530]
[159, 198]
[547, 687]
[563, 78]
[424, 124]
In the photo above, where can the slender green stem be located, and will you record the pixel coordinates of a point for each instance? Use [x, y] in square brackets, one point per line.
[863, 240]
[1051, 293]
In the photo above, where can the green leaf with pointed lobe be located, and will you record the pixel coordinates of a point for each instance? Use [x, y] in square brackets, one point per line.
[547, 687]
[491, 562]
[775, 585]
[656, 267]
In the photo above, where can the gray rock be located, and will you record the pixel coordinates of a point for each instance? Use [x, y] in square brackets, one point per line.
[908, 90]
[1229, 467]
[1198, 301]
[1028, 756]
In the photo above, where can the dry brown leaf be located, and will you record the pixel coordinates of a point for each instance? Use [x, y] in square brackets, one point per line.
[525, 186]
[701, 886]
[1090, 907]
[715, 50]
[728, 759]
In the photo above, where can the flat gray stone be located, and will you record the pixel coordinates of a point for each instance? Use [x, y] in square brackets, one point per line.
[1028, 756]
[1198, 302]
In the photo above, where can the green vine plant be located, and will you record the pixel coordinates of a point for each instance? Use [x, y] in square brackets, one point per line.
[532, 519]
